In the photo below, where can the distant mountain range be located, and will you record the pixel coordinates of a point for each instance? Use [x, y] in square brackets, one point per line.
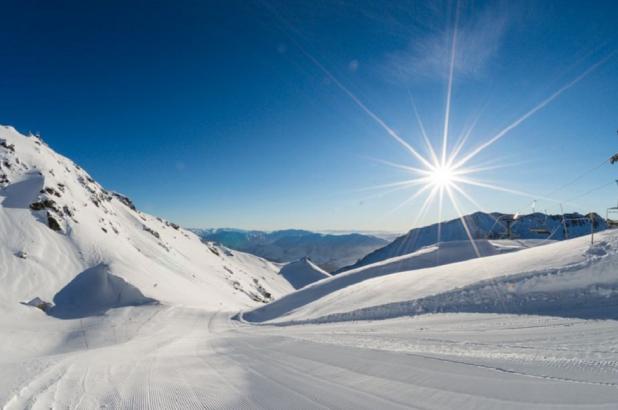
[486, 225]
[330, 252]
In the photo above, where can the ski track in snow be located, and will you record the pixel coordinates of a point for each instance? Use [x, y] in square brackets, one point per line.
[182, 358]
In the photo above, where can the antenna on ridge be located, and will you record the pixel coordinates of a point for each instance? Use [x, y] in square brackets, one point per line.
[611, 215]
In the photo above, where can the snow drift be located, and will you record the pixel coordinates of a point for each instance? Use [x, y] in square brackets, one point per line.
[568, 278]
[438, 254]
[94, 291]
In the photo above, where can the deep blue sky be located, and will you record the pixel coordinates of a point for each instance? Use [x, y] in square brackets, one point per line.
[215, 114]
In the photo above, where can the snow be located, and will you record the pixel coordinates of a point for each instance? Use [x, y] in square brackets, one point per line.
[94, 291]
[158, 259]
[485, 225]
[168, 357]
[434, 255]
[142, 314]
[302, 272]
[563, 278]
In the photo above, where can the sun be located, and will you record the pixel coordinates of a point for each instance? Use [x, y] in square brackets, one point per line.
[442, 176]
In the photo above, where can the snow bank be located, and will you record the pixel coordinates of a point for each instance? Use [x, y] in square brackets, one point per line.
[438, 254]
[564, 278]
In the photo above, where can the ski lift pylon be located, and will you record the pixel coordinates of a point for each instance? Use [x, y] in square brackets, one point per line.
[540, 229]
[611, 215]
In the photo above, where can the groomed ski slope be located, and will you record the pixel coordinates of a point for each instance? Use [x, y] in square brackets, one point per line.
[162, 357]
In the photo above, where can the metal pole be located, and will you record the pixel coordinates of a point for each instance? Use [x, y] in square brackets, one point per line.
[591, 228]
[564, 228]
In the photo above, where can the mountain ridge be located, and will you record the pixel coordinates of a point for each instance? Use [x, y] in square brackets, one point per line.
[60, 226]
[484, 225]
[329, 251]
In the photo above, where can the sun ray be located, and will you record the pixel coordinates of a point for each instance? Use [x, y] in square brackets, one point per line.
[425, 205]
[502, 189]
[531, 112]
[391, 132]
[421, 127]
[463, 221]
[410, 199]
[387, 192]
[467, 171]
[423, 210]
[461, 142]
[401, 166]
[440, 207]
[447, 111]
[472, 200]
[406, 184]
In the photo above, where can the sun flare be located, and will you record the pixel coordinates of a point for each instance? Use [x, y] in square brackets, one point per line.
[442, 176]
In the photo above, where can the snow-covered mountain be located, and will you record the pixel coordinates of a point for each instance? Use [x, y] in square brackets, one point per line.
[329, 251]
[486, 225]
[302, 272]
[565, 278]
[68, 241]
[442, 253]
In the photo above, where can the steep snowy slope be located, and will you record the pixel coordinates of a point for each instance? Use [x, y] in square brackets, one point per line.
[67, 240]
[302, 272]
[329, 251]
[568, 278]
[434, 255]
[483, 225]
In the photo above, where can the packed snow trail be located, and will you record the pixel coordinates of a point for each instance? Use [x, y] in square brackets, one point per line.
[172, 357]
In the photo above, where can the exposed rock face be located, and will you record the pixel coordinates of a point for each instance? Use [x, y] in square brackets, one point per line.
[39, 303]
[44, 204]
[152, 232]
[53, 223]
[125, 200]
[69, 223]
[4, 144]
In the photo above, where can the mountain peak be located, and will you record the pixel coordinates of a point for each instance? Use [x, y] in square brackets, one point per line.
[67, 224]
[482, 225]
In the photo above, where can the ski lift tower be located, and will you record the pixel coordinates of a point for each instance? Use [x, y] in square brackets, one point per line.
[508, 221]
[612, 213]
